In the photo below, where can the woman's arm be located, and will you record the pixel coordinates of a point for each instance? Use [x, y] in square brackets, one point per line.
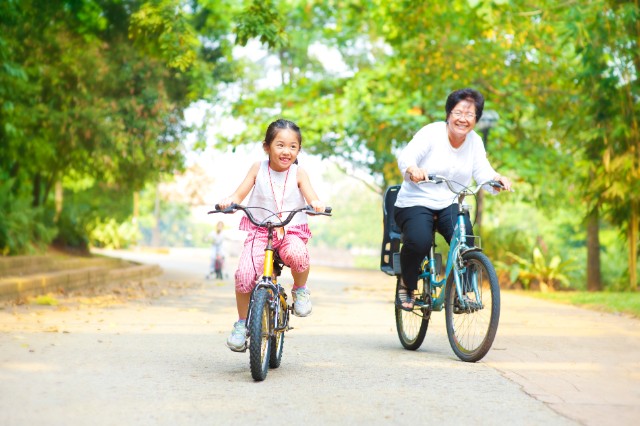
[244, 188]
[412, 155]
[308, 192]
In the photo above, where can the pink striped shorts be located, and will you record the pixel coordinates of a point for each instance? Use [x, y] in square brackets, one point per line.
[292, 249]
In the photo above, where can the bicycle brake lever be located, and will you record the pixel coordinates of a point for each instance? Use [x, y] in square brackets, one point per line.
[433, 178]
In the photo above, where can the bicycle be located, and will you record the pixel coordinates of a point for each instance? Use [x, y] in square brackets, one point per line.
[216, 266]
[467, 290]
[268, 314]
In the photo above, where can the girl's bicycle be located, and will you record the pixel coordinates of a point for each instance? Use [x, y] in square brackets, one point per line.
[467, 289]
[268, 315]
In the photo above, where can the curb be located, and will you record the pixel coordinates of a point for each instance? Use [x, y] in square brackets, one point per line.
[46, 282]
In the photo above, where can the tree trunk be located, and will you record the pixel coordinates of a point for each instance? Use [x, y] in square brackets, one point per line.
[36, 190]
[594, 277]
[136, 207]
[155, 232]
[59, 199]
[632, 237]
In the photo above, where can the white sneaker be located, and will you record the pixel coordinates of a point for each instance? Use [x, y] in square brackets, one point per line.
[301, 302]
[237, 340]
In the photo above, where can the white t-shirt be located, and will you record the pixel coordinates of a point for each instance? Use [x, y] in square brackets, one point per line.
[430, 150]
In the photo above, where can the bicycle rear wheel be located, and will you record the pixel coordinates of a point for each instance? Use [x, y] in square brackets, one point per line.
[277, 340]
[260, 343]
[471, 330]
[411, 325]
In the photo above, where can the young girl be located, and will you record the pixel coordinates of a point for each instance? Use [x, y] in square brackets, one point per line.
[277, 184]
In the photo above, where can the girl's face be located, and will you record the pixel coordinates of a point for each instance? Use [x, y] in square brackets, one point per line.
[283, 150]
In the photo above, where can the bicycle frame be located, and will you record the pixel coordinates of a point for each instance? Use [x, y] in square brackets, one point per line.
[269, 281]
[457, 247]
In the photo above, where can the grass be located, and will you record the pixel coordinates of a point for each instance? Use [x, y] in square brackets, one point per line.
[614, 302]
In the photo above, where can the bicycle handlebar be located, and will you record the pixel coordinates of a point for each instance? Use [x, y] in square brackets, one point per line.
[306, 209]
[465, 189]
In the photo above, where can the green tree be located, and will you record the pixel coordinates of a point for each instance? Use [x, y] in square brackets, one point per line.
[94, 92]
[403, 59]
[606, 38]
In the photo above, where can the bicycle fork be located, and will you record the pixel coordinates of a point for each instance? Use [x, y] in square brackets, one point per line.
[460, 270]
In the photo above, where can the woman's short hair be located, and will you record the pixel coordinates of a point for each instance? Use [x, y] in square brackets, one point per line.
[465, 95]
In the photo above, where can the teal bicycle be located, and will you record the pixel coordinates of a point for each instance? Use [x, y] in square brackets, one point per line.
[466, 288]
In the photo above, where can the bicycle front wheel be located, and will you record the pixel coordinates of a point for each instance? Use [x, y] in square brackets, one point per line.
[472, 325]
[277, 340]
[411, 325]
[260, 344]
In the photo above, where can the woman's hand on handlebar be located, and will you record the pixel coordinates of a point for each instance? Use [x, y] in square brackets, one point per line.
[506, 183]
[416, 174]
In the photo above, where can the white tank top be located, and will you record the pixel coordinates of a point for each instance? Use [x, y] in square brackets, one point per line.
[277, 191]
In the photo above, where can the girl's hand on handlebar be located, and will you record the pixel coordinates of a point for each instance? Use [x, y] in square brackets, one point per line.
[224, 204]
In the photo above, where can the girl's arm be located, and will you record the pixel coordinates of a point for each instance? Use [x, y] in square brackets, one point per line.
[307, 191]
[244, 188]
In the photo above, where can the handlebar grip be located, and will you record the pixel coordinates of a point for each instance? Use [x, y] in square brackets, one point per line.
[431, 177]
[229, 209]
[311, 210]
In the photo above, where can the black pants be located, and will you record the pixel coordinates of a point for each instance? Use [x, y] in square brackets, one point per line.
[417, 224]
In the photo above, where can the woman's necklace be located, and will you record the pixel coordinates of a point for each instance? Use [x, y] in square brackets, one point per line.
[279, 231]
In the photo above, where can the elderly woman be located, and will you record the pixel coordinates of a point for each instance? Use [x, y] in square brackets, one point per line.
[451, 149]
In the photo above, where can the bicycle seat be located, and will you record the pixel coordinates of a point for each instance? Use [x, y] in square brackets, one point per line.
[392, 236]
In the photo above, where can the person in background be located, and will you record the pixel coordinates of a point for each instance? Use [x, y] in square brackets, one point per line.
[216, 264]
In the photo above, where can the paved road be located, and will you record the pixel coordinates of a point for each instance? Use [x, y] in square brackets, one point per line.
[156, 356]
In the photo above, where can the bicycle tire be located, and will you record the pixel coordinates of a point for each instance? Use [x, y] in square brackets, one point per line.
[277, 340]
[471, 332]
[259, 343]
[411, 325]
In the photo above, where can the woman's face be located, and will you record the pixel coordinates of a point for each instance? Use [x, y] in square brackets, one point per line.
[462, 119]
[283, 150]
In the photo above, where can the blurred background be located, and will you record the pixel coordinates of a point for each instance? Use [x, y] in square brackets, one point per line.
[123, 122]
